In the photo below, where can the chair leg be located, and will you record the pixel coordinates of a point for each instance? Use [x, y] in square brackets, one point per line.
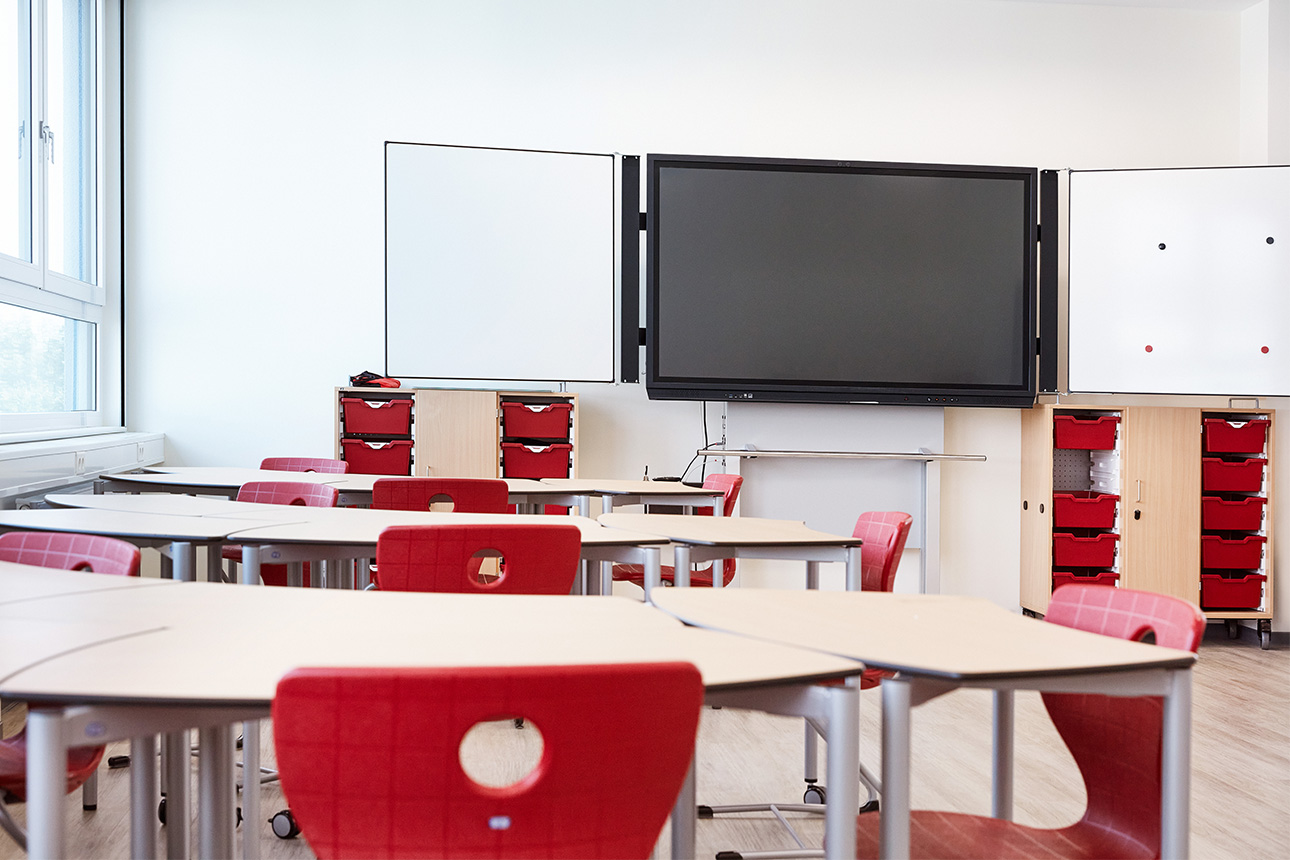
[11, 827]
[90, 792]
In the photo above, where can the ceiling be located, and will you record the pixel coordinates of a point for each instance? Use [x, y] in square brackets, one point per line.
[1202, 5]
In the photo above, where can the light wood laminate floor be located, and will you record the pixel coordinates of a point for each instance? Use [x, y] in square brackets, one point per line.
[1240, 782]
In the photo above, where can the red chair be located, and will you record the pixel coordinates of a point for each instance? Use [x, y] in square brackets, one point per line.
[1115, 741]
[280, 493]
[304, 464]
[370, 759]
[730, 484]
[66, 552]
[469, 495]
[540, 559]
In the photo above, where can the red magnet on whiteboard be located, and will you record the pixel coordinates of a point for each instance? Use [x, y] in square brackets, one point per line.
[1264, 350]
[1148, 347]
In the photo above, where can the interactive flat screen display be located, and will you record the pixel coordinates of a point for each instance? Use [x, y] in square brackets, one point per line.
[840, 281]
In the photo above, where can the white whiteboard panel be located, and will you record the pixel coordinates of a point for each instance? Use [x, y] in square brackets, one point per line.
[1204, 314]
[499, 264]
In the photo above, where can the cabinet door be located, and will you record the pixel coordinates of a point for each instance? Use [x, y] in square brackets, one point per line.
[1036, 501]
[1160, 510]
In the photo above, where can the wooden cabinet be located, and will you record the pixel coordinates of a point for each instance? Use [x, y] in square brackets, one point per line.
[1150, 471]
[469, 433]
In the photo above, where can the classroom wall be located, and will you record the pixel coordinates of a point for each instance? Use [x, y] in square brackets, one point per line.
[254, 233]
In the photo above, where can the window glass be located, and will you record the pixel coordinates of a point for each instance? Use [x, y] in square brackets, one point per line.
[46, 362]
[70, 96]
[16, 144]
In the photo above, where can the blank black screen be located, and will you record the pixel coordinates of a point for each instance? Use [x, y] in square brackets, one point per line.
[841, 278]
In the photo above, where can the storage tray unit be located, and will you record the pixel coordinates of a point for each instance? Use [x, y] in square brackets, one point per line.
[535, 461]
[1236, 437]
[545, 421]
[1232, 476]
[1085, 509]
[393, 457]
[1243, 514]
[1231, 592]
[1070, 577]
[1071, 550]
[361, 417]
[1245, 553]
[1097, 433]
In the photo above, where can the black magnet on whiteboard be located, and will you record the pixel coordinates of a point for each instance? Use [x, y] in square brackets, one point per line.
[1162, 246]
[1271, 240]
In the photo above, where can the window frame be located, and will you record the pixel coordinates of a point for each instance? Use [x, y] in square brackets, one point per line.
[33, 285]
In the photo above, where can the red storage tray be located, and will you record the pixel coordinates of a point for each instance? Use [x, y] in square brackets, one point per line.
[1240, 592]
[1244, 515]
[536, 420]
[1231, 476]
[1066, 577]
[535, 461]
[1094, 551]
[376, 417]
[1244, 437]
[1084, 509]
[1093, 434]
[1245, 552]
[378, 458]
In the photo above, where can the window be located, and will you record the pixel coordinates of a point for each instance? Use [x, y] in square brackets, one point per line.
[57, 290]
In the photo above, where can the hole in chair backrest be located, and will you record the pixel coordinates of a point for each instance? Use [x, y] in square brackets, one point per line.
[491, 567]
[500, 753]
[441, 502]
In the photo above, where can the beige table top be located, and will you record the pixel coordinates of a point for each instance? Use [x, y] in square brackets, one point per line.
[174, 505]
[915, 633]
[615, 486]
[25, 582]
[727, 531]
[221, 476]
[351, 526]
[171, 661]
[120, 523]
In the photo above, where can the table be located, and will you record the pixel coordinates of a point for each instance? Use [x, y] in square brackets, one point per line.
[343, 533]
[353, 489]
[132, 678]
[614, 492]
[937, 643]
[285, 533]
[144, 528]
[700, 539]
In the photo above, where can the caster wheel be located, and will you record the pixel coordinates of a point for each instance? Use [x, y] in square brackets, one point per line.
[284, 825]
[814, 794]
[871, 806]
[519, 722]
[1233, 630]
[161, 811]
[1265, 634]
[118, 761]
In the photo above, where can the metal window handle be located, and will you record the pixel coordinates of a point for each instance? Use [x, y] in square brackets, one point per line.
[47, 134]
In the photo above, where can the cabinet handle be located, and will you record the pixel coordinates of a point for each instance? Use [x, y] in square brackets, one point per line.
[1138, 500]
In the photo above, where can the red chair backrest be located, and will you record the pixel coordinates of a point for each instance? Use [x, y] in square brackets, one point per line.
[540, 559]
[1115, 740]
[289, 493]
[884, 534]
[70, 551]
[369, 759]
[730, 484]
[468, 495]
[304, 464]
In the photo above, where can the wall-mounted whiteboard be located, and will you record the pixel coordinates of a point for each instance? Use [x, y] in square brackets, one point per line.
[500, 264]
[1180, 281]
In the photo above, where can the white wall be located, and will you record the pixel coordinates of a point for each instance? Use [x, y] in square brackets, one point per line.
[254, 172]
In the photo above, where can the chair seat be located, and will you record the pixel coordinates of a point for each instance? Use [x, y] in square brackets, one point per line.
[81, 763]
[976, 837]
[701, 577]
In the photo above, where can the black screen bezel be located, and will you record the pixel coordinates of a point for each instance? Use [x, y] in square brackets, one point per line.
[855, 391]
